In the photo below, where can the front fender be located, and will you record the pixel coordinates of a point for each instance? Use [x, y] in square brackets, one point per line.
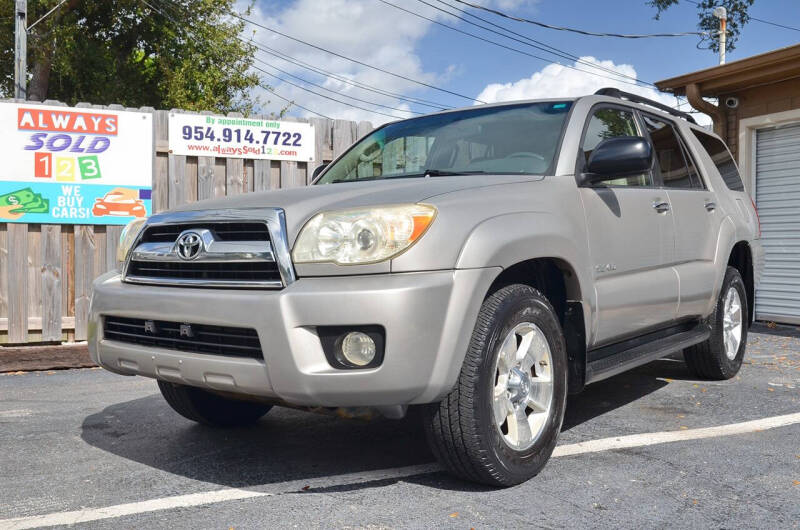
[508, 239]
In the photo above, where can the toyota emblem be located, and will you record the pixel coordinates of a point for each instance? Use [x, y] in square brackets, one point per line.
[189, 245]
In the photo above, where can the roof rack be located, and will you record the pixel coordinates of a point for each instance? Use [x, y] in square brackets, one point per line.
[617, 93]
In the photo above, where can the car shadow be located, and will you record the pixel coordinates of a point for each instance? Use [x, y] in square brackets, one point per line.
[289, 445]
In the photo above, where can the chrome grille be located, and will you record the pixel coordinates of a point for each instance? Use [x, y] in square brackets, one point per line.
[182, 336]
[234, 250]
[222, 232]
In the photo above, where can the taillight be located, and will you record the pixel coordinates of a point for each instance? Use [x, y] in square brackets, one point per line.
[758, 219]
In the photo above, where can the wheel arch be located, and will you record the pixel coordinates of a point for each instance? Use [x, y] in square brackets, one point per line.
[556, 279]
[741, 259]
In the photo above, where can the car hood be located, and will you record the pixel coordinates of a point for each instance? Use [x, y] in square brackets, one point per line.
[303, 202]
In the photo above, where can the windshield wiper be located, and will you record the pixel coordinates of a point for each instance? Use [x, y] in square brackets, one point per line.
[426, 173]
[447, 173]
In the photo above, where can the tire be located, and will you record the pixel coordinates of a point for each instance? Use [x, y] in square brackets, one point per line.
[714, 358]
[461, 429]
[210, 409]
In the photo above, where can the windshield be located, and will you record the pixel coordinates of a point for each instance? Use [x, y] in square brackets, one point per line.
[512, 139]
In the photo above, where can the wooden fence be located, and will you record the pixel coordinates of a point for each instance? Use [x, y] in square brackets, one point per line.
[46, 271]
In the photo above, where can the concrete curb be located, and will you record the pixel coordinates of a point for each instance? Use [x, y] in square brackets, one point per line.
[50, 357]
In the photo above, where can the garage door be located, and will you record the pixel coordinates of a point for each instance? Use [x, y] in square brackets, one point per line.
[778, 200]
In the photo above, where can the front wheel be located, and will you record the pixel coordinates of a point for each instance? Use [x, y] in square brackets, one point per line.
[500, 423]
[720, 357]
[210, 409]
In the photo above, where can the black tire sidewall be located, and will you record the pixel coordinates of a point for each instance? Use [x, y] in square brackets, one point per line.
[519, 305]
[729, 367]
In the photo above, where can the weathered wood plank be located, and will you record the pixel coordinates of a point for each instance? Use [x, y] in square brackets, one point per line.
[100, 244]
[205, 177]
[260, 175]
[249, 172]
[84, 273]
[112, 244]
[234, 173]
[160, 195]
[36, 323]
[34, 270]
[342, 135]
[51, 325]
[178, 182]
[190, 194]
[322, 139]
[220, 177]
[3, 270]
[363, 129]
[68, 275]
[274, 174]
[17, 283]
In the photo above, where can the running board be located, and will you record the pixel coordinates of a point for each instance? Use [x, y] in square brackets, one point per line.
[643, 353]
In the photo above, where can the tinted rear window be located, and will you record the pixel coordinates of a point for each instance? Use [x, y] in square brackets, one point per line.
[722, 159]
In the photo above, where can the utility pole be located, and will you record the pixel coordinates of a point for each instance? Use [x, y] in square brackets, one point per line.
[722, 14]
[21, 49]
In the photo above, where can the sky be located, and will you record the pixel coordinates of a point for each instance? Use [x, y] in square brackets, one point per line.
[465, 69]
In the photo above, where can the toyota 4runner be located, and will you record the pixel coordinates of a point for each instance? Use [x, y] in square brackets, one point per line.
[480, 263]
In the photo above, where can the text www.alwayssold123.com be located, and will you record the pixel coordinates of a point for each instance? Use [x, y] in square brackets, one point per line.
[241, 151]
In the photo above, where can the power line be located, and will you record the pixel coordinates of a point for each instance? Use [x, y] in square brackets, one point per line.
[758, 19]
[501, 45]
[364, 86]
[574, 30]
[45, 15]
[331, 91]
[541, 45]
[299, 86]
[361, 85]
[356, 61]
[327, 97]
[265, 87]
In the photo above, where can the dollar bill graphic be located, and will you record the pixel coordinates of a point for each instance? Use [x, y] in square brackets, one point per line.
[22, 197]
[26, 200]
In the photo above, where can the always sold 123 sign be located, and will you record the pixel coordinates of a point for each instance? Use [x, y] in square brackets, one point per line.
[198, 135]
[74, 165]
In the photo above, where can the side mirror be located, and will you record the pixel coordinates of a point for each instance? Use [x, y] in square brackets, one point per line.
[317, 170]
[618, 157]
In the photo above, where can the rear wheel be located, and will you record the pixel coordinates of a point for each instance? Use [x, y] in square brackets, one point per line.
[500, 423]
[720, 357]
[210, 409]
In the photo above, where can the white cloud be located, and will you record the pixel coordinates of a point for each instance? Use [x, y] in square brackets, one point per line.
[556, 80]
[369, 31]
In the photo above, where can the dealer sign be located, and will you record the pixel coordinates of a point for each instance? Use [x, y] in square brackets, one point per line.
[231, 137]
[66, 165]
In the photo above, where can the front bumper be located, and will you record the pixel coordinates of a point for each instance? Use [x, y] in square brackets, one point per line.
[428, 318]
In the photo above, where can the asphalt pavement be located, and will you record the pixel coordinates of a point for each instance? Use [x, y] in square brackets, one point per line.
[105, 451]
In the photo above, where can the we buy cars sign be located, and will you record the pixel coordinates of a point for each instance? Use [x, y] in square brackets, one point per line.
[64, 165]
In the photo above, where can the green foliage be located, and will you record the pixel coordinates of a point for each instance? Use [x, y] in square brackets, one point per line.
[737, 18]
[121, 51]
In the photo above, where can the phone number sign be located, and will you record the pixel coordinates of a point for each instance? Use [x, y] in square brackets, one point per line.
[221, 136]
[66, 165]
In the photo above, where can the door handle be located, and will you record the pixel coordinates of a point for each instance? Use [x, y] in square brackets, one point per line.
[711, 206]
[661, 207]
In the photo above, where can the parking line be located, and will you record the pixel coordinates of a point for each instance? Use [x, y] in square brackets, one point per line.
[653, 438]
[231, 494]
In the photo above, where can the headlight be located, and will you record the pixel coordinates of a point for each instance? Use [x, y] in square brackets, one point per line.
[362, 235]
[128, 236]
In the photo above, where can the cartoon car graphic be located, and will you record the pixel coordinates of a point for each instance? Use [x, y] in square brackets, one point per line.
[122, 202]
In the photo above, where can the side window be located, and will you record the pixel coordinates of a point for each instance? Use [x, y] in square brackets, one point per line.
[722, 159]
[611, 123]
[672, 159]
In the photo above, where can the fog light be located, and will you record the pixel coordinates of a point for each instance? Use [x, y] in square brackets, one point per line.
[357, 348]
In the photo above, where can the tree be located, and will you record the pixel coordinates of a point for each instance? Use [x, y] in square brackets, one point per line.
[737, 18]
[176, 54]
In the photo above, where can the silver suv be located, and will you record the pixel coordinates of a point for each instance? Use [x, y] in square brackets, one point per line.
[480, 263]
